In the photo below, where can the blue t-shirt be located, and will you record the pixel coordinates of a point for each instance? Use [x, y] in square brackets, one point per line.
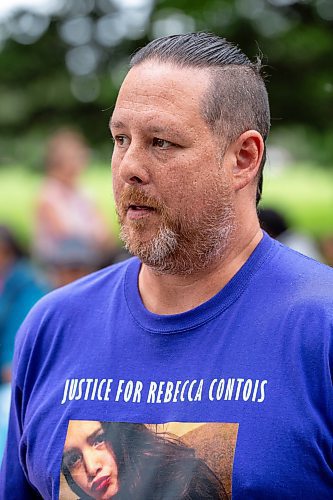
[245, 380]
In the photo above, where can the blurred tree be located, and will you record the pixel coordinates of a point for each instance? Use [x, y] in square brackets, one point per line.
[65, 67]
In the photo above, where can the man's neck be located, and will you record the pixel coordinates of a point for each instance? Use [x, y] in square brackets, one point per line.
[173, 294]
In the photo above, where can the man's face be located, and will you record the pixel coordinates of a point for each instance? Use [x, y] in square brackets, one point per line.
[173, 193]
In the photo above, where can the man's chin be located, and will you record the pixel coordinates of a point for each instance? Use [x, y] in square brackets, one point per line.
[137, 232]
[136, 240]
[153, 248]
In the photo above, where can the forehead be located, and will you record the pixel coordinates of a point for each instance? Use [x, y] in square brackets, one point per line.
[79, 431]
[168, 90]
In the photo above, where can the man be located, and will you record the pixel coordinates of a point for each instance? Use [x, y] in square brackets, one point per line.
[213, 323]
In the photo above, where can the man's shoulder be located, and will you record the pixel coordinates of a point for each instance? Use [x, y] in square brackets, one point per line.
[301, 265]
[301, 278]
[79, 303]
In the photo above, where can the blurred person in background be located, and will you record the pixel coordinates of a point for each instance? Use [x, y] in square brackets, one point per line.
[276, 225]
[20, 288]
[64, 210]
[326, 246]
[72, 259]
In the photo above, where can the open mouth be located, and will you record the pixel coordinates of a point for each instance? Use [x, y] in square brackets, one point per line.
[139, 208]
[138, 212]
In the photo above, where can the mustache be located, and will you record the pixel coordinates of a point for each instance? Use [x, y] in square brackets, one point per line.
[134, 196]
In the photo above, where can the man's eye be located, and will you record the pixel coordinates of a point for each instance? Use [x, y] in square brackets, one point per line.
[121, 140]
[161, 143]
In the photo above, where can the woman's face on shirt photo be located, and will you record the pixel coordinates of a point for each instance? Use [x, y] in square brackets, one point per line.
[90, 459]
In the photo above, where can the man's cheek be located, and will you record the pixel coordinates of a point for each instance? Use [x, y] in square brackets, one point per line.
[116, 188]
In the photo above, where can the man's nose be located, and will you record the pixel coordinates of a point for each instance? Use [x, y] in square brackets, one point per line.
[133, 167]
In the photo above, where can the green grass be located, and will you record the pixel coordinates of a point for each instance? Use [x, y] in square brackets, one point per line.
[303, 194]
[18, 192]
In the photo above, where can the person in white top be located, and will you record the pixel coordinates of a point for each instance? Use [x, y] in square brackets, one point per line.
[64, 210]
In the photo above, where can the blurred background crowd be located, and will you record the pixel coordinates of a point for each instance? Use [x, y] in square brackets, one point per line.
[61, 64]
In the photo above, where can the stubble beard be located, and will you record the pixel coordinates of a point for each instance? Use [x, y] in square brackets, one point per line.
[182, 244]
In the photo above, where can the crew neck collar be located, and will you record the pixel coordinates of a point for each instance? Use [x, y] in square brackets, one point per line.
[176, 323]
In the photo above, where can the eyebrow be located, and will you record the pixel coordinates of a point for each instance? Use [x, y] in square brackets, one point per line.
[116, 124]
[92, 436]
[89, 439]
[152, 129]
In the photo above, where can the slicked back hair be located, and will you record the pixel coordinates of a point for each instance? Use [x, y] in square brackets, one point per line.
[236, 99]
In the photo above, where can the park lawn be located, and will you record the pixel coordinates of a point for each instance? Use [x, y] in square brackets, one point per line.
[303, 194]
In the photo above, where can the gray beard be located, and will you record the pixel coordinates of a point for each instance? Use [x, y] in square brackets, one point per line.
[184, 251]
[157, 251]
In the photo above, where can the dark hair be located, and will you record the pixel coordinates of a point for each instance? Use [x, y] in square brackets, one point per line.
[8, 238]
[155, 466]
[272, 221]
[236, 99]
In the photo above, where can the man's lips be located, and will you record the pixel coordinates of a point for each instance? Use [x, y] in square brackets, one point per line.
[139, 211]
[140, 207]
[101, 483]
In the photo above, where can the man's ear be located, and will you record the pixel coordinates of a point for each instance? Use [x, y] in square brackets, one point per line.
[247, 152]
